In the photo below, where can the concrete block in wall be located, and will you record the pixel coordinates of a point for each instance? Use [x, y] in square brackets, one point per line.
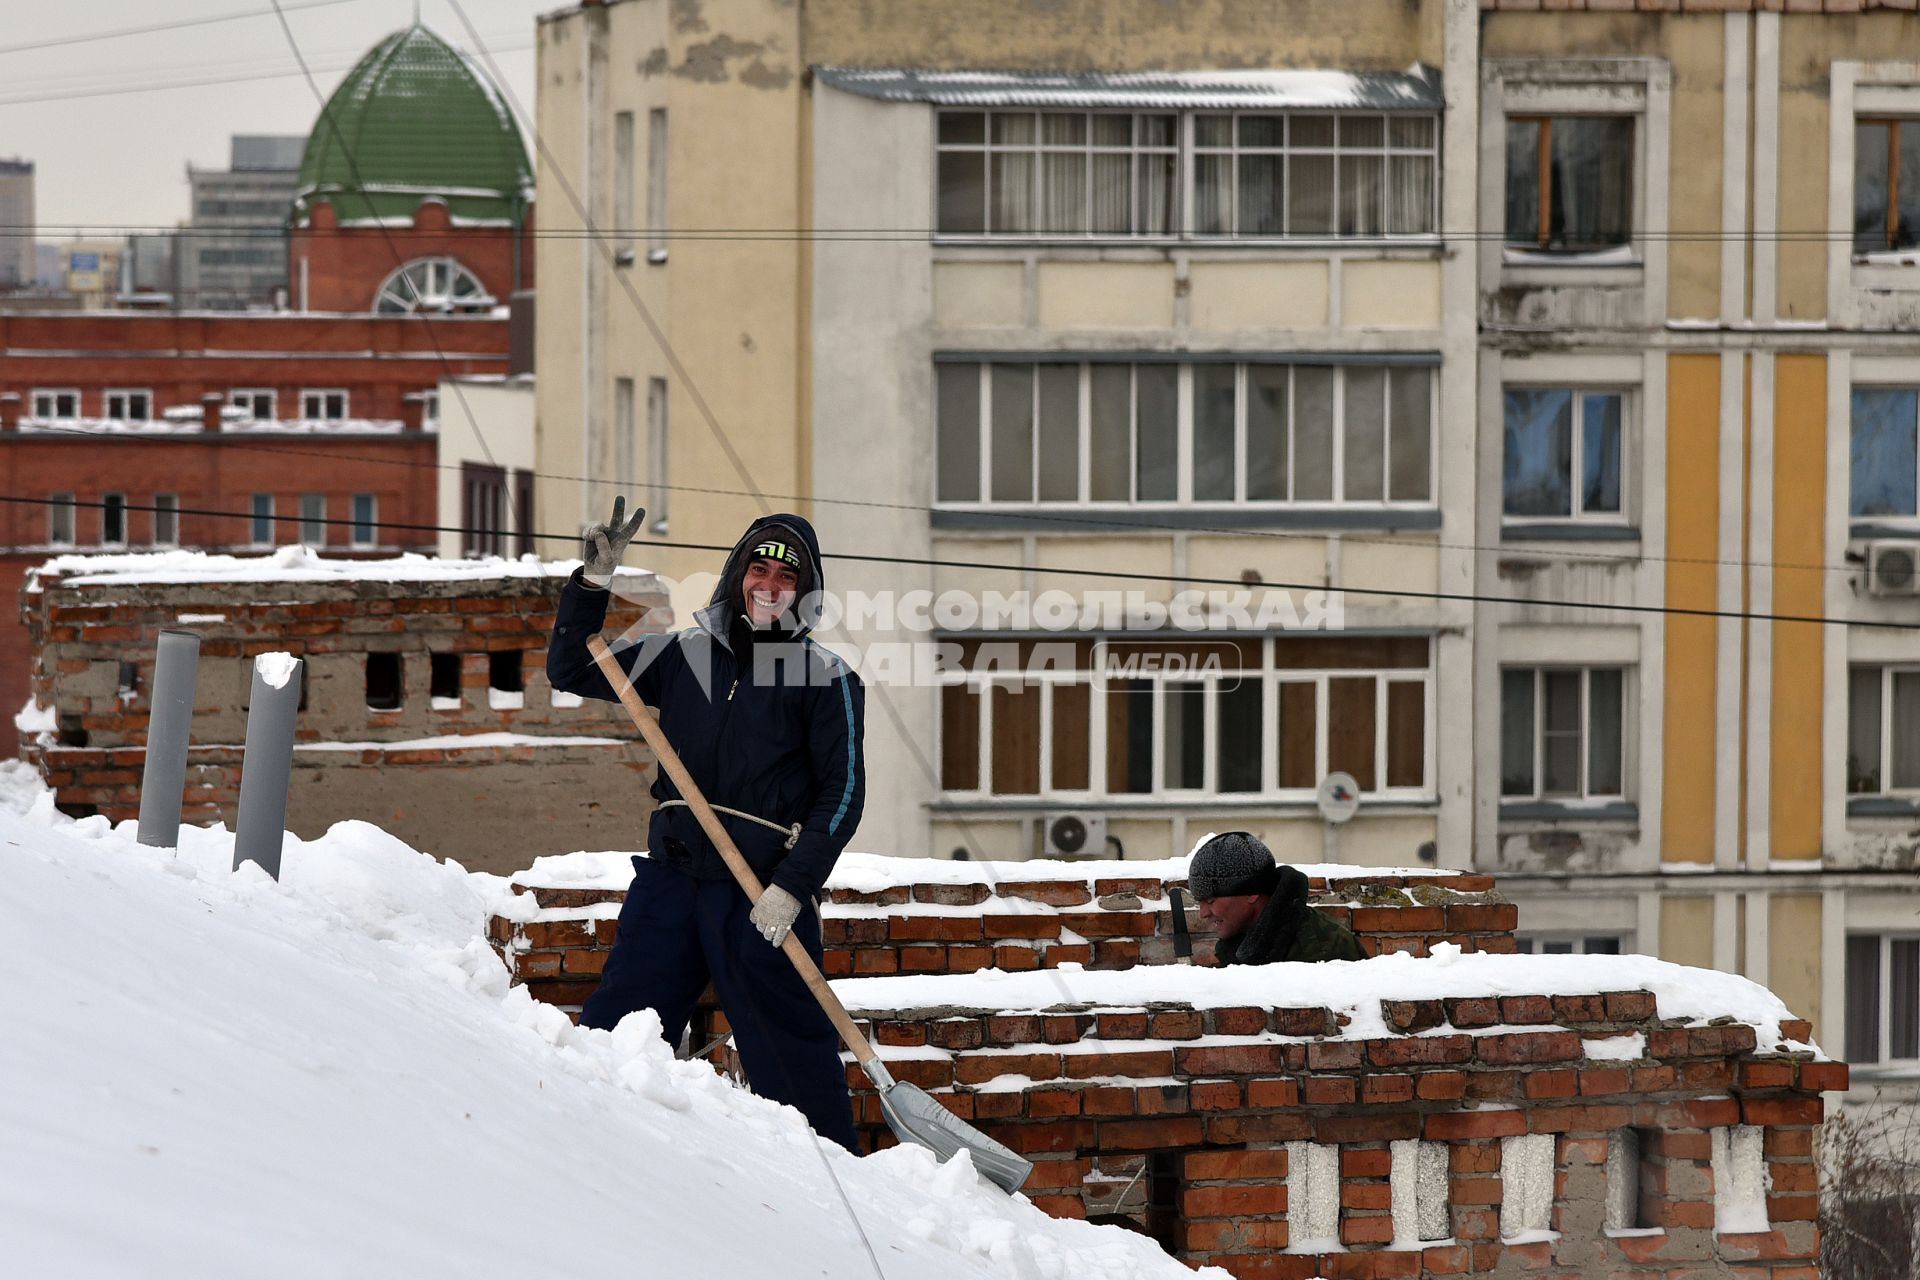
[1419, 1182]
[1313, 1196]
[1739, 1179]
[1526, 1185]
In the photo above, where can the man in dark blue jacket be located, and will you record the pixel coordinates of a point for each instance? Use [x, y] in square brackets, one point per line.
[769, 725]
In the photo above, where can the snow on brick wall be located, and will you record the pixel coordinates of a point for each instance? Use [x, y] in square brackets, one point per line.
[1345, 1119]
[400, 718]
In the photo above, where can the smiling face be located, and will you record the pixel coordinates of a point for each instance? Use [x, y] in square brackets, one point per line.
[1231, 915]
[768, 589]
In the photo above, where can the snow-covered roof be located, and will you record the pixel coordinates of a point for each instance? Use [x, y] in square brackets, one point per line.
[1354, 988]
[1416, 89]
[873, 872]
[291, 564]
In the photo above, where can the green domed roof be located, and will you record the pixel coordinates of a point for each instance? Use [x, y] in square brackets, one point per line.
[416, 118]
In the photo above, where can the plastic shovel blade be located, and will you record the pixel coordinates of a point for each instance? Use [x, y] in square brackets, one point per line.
[915, 1117]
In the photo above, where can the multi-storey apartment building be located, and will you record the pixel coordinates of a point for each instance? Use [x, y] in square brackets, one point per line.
[1566, 348]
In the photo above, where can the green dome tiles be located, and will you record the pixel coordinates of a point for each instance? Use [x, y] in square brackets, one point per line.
[416, 118]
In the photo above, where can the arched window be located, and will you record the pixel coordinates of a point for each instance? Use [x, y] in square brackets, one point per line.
[432, 285]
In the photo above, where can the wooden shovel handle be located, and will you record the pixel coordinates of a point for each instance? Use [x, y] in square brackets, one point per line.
[643, 719]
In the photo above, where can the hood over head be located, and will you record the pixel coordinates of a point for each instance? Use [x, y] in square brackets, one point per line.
[796, 536]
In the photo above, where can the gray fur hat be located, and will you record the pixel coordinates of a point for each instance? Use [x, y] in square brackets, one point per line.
[1232, 864]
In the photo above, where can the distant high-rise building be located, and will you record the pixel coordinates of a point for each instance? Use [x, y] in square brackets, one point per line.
[233, 251]
[16, 224]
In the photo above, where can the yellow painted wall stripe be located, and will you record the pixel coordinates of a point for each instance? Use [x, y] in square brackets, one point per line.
[1799, 537]
[1693, 532]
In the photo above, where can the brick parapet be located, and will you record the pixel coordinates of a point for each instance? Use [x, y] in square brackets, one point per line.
[1001, 922]
[1181, 1119]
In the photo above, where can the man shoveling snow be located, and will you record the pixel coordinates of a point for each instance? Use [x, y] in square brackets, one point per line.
[769, 725]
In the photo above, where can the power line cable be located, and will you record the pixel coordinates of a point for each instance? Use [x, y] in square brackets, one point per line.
[1392, 593]
[1085, 521]
[150, 28]
[916, 235]
[353, 167]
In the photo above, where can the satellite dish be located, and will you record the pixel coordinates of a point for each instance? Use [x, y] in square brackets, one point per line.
[1338, 797]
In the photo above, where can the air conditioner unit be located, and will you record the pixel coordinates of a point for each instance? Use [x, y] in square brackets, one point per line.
[1893, 568]
[1075, 835]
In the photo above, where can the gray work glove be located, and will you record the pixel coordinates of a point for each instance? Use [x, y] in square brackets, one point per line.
[775, 913]
[606, 543]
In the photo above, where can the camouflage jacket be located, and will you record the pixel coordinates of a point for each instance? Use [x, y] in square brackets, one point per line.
[1289, 929]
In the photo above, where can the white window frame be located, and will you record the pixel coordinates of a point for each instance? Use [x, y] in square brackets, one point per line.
[1183, 498]
[107, 506]
[1886, 938]
[125, 396]
[313, 519]
[50, 412]
[1628, 435]
[249, 398]
[1641, 87]
[166, 509]
[1585, 670]
[1183, 151]
[1863, 293]
[62, 509]
[306, 402]
[1271, 677]
[1887, 670]
[259, 508]
[1860, 385]
[371, 524]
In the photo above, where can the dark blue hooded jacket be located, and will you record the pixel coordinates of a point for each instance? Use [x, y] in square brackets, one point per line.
[768, 723]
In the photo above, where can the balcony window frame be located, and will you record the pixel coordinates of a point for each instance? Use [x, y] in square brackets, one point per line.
[1884, 943]
[1184, 451]
[1181, 222]
[1271, 674]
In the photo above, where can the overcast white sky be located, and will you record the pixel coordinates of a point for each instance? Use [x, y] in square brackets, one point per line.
[119, 159]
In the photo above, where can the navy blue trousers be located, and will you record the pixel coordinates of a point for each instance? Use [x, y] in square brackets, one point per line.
[676, 932]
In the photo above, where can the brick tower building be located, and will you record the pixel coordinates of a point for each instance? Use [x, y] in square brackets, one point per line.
[416, 158]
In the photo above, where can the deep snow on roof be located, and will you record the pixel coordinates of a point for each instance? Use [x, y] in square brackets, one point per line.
[330, 1075]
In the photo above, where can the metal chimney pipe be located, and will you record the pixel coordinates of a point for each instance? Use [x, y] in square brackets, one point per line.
[176, 672]
[266, 770]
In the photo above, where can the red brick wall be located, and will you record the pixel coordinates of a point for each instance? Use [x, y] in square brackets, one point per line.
[493, 808]
[1124, 921]
[347, 265]
[1181, 1129]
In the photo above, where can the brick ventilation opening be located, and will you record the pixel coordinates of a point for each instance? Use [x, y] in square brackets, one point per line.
[385, 681]
[1501, 1135]
[504, 671]
[444, 676]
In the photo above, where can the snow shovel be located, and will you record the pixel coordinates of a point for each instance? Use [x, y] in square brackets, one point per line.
[911, 1112]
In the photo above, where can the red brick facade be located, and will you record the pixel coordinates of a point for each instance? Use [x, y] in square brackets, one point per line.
[344, 267]
[1185, 1120]
[409, 772]
[215, 462]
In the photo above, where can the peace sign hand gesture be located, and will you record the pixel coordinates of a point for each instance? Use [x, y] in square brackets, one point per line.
[606, 543]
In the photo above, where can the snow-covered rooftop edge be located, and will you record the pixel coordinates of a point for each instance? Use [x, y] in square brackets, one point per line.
[295, 563]
[288, 1032]
[873, 872]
